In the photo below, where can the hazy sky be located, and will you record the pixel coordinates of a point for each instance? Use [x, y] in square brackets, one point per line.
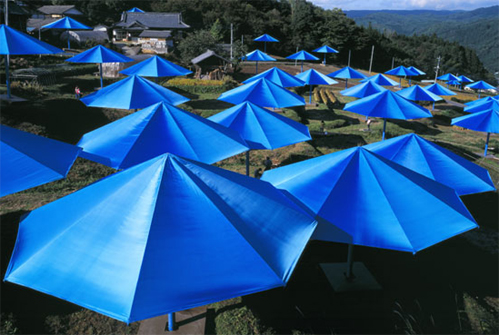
[404, 4]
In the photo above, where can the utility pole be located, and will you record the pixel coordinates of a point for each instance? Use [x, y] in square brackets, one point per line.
[6, 12]
[231, 39]
[349, 54]
[437, 68]
[296, 60]
[371, 63]
[393, 62]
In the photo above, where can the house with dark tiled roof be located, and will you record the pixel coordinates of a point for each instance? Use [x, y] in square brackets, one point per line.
[133, 24]
[48, 14]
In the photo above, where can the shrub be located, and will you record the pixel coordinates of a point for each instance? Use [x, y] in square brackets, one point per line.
[197, 86]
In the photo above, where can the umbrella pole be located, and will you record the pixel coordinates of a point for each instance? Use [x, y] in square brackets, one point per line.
[7, 81]
[171, 322]
[325, 58]
[384, 129]
[346, 83]
[301, 66]
[350, 276]
[478, 94]
[256, 72]
[247, 162]
[486, 145]
[433, 108]
[69, 45]
[100, 70]
[310, 95]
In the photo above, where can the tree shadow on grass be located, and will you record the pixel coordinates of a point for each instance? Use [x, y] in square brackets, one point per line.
[418, 127]
[327, 115]
[209, 104]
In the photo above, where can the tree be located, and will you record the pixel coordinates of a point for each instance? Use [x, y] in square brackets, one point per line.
[195, 44]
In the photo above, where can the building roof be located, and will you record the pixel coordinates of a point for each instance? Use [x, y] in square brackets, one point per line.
[156, 33]
[209, 53]
[153, 20]
[14, 9]
[59, 10]
[84, 35]
[35, 24]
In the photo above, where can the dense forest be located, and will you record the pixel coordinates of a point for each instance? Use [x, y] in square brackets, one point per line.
[477, 29]
[297, 24]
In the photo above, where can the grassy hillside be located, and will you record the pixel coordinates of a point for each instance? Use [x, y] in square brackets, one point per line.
[477, 29]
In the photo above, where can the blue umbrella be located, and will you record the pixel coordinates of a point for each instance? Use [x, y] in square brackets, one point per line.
[439, 89]
[258, 56]
[277, 76]
[99, 54]
[156, 130]
[454, 82]
[402, 71]
[492, 104]
[480, 85]
[486, 121]
[313, 77]
[416, 70]
[482, 100]
[13, 42]
[302, 55]
[29, 160]
[448, 77]
[261, 128]
[378, 202]
[66, 23]
[347, 73]
[325, 50]
[265, 38]
[363, 90]
[435, 162]
[263, 92]
[381, 79]
[156, 67]
[387, 104]
[132, 93]
[163, 236]
[464, 79]
[417, 93]
[135, 10]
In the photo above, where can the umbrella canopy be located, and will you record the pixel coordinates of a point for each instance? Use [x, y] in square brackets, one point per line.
[416, 70]
[313, 77]
[261, 128]
[439, 89]
[163, 236]
[381, 80]
[99, 54]
[435, 162]
[29, 160]
[492, 104]
[486, 121]
[448, 77]
[263, 92]
[347, 73]
[277, 76]
[378, 202]
[481, 85]
[363, 90]
[464, 79]
[265, 38]
[156, 130]
[402, 71]
[258, 56]
[482, 100]
[417, 93]
[66, 23]
[387, 104]
[135, 10]
[303, 56]
[325, 50]
[156, 67]
[13, 42]
[454, 82]
[133, 92]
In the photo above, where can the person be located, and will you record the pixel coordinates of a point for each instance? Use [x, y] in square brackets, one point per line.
[267, 163]
[369, 121]
[323, 126]
[77, 93]
[258, 173]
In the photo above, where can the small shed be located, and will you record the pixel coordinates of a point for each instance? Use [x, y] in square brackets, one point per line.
[156, 41]
[213, 65]
[82, 36]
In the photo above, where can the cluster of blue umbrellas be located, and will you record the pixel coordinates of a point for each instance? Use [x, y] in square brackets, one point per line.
[66, 23]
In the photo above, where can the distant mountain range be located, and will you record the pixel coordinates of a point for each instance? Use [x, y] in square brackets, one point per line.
[477, 29]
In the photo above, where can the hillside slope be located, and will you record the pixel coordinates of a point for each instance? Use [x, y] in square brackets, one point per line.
[477, 29]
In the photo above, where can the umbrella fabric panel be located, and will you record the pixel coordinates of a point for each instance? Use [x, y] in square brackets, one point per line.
[435, 162]
[277, 76]
[302, 55]
[438, 89]
[402, 71]
[66, 23]
[482, 100]
[487, 121]
[13, 42]
[258, 55]
[448, 77]
[156, 67]
[265, 38]
[156, 130]
[29, 160]
[261, 128]
[99, 54]
[363, 90]
[313, 77]
[347, 73]
[325, 49]
[481, 85]
[132, 93]
[116, 261]
[479, 107]
[417, 93]
[387, 104]
[381, 80]
[416, 70]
